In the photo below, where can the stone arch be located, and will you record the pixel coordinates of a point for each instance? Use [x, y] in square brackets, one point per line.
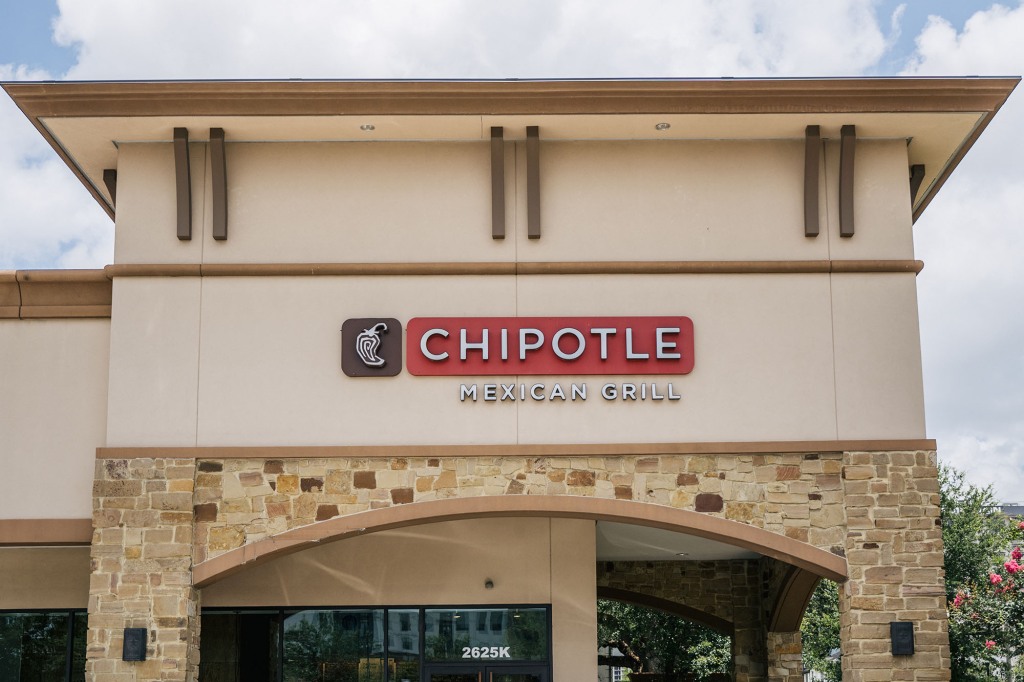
[800, 554]
[791, 601]
[709, 620]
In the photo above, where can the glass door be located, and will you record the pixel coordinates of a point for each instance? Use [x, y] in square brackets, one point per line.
[524, 674]
[487, 674]
[461, 674]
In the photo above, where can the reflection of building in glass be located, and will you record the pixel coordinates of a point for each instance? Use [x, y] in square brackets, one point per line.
[361, 645]
[511, 634]
[610, 673]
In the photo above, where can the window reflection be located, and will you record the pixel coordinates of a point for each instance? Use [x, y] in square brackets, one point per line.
[404, 645]
[34, 646]
[334, 646]
[510, 634]
[364, 645]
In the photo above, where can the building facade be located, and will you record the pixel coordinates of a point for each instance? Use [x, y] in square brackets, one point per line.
[394, 380]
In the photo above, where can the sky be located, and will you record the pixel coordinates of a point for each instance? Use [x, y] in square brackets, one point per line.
[971, 237]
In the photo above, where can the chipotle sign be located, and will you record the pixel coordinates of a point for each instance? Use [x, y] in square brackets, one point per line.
[481, 346]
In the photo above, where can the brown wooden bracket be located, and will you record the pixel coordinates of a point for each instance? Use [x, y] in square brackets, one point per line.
[533, 182]
[812, 160]
[847, 151]
[497, 182]
[220, 184]
[110, 180]
[916, 178]
[183, 183]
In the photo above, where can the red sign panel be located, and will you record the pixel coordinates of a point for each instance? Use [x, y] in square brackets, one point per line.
[472, 346]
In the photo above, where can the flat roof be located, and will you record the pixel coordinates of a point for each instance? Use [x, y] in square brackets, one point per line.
[940, 118]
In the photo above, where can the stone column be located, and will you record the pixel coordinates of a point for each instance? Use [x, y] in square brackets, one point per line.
[785, 657]
[750, 656]
[894, 554]
[142, 571]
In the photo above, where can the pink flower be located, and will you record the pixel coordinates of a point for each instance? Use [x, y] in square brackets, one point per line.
[1011, 566]
[990, 644]
[1016, 554]
[1021, 525]
[995, 578]
[958, 599]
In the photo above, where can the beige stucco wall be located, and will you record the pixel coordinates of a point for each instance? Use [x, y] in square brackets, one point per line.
[44, 577]
[146, 221]
[439, 563]
[154, 351]
[530, 561]
[256, 361]
[53, 411]
[600, 200]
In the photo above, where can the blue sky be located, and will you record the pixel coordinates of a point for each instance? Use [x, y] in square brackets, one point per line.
[26, 36]
[971, 293]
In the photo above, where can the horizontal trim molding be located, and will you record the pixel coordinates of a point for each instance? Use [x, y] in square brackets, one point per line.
[45, 532]
[52, 294]
[513, 450]
[48, 294]
[514, 268]
[508, 97]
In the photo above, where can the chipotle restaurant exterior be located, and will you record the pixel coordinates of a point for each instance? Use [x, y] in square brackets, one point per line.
[393, 380]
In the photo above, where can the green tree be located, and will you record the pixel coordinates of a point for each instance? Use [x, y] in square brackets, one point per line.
[977, 537]
[655, 641]
[975, 533]
[819, 631]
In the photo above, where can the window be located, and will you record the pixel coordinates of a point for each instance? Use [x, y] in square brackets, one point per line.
[44, 645]
[362, 645]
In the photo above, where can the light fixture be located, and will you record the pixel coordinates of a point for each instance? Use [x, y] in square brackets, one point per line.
[367, 127]
[682, 554]
[662, 126]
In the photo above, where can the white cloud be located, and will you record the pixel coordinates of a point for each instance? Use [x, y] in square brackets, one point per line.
[972, 289]
[466, 38]
[46, 218]
[989, 44]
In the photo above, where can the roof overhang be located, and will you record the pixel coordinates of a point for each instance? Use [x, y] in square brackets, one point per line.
[940, 118]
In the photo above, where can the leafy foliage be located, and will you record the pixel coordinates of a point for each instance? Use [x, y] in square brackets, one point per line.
[819, 631]
[983, 590]
[974, 532]
[654, 641]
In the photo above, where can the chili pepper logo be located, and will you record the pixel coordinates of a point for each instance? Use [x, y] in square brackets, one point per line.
[367, 344]
[365, 353]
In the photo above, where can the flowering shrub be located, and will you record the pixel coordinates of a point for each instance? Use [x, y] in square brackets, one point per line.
[985, 617]
[984, 581]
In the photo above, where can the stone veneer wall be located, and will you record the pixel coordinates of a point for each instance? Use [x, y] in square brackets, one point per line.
[740, 591]
[154, 517]
[702, 585]
[894, 554]
[785, 657]
[240, 501]
[706, 586]
[142, 570]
